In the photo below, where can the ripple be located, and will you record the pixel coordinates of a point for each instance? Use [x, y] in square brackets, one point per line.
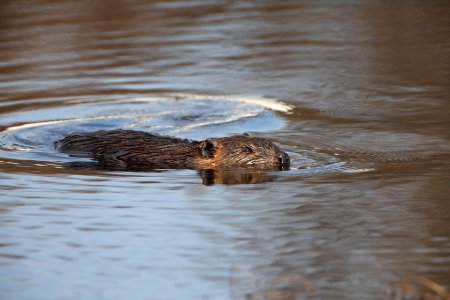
[31, 131]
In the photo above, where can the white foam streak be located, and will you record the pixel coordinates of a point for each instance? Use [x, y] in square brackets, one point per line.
[52, 122]
[220, 121]
[266, 102]
[263, 103]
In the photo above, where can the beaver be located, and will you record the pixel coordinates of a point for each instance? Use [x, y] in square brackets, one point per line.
[129, 149]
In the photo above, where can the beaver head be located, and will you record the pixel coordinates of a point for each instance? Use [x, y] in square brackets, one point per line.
[241, 151]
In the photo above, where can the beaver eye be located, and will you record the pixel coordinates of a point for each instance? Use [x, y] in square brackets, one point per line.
[246, 150]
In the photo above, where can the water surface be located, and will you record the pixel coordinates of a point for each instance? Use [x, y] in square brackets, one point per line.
[355, 91]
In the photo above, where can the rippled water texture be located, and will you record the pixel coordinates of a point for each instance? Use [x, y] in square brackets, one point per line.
[357, 92]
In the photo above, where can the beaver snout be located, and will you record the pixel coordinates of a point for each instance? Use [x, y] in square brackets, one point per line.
[283, 159]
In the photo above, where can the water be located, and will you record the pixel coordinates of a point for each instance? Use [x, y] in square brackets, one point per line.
[355, 91]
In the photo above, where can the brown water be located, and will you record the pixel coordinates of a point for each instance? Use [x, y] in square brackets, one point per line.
[356, 91]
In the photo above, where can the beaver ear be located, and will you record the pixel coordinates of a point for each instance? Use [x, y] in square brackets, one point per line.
[207, 148]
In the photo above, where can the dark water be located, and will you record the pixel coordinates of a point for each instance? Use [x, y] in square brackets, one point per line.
[356, 91]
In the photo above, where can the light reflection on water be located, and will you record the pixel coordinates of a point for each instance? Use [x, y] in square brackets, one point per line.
[365, 206]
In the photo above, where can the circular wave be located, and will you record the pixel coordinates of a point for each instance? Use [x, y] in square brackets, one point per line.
[29, 133]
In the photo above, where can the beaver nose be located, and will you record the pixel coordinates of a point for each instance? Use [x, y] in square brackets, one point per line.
[283, 159]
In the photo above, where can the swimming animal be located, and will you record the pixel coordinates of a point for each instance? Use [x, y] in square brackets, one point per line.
[129, 149]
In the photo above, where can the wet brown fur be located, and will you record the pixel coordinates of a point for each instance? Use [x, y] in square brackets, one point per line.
[141, 150]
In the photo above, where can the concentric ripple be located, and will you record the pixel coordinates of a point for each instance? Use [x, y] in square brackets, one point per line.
[30, 133]
[27, 135]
